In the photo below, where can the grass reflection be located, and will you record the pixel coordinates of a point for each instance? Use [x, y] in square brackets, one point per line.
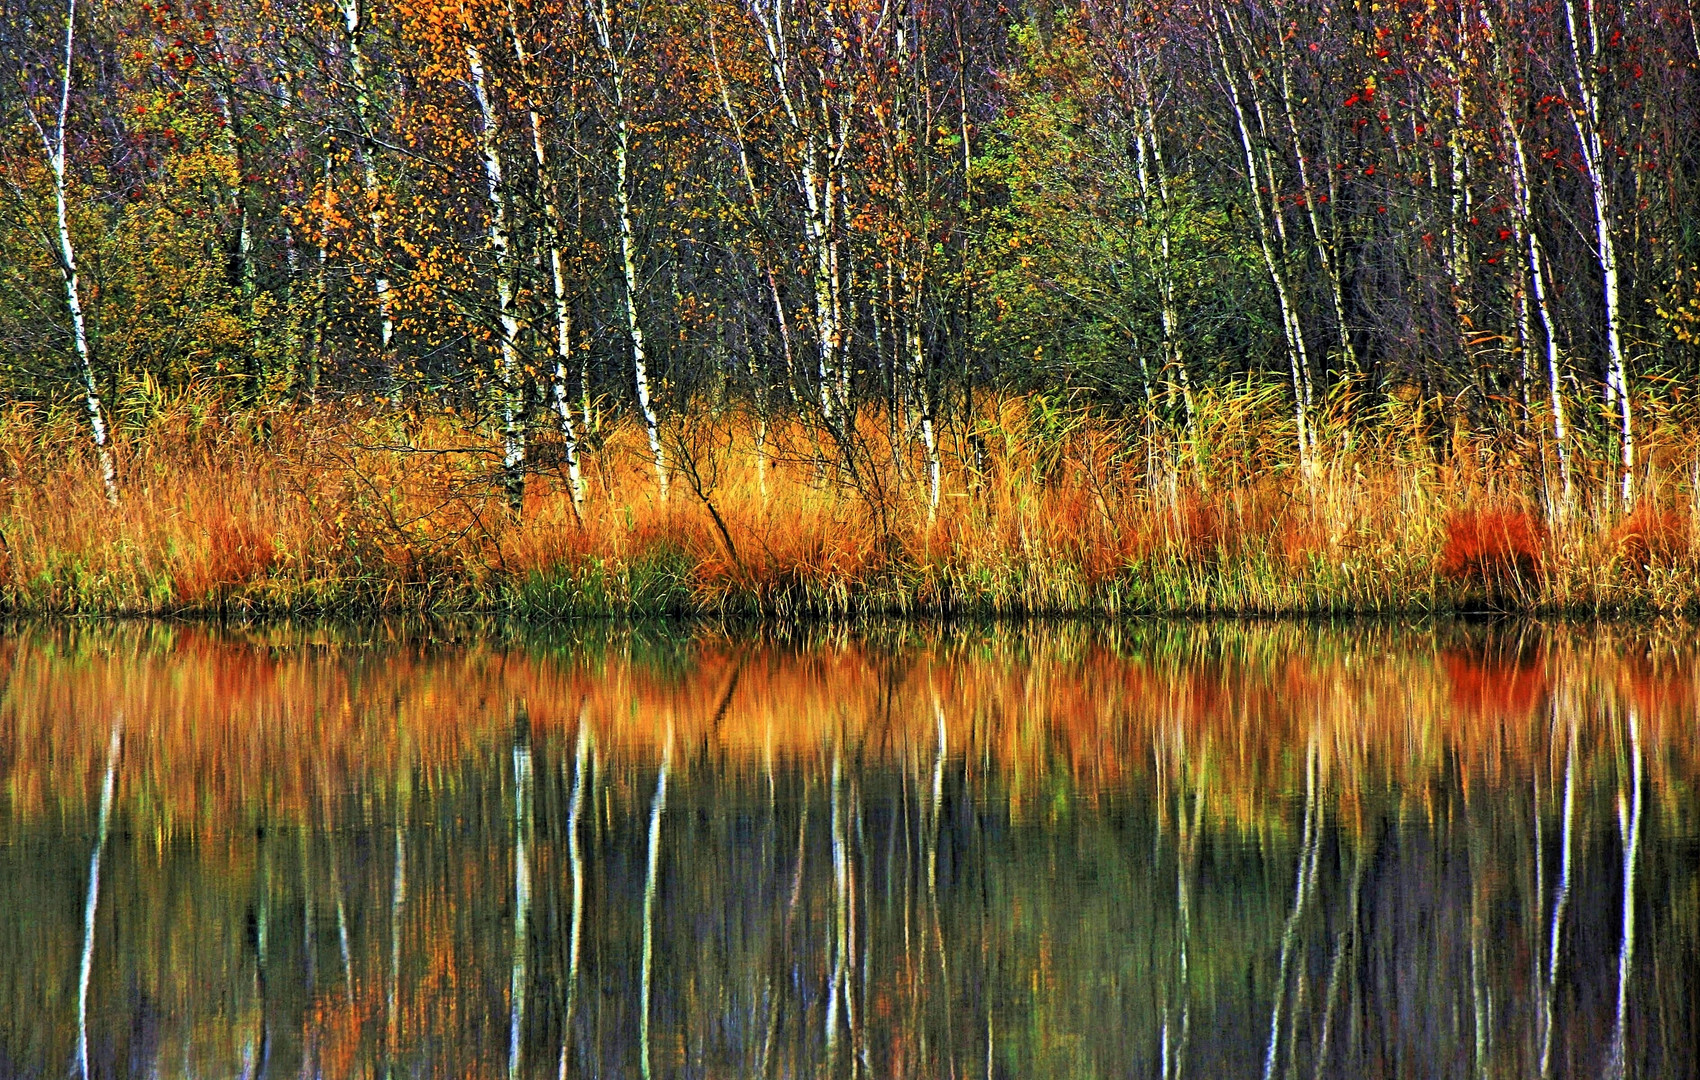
[1063, 850]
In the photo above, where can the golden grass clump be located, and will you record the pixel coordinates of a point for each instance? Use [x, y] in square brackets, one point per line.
[342, 508]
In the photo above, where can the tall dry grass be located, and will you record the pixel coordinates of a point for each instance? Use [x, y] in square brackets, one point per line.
[341, 509]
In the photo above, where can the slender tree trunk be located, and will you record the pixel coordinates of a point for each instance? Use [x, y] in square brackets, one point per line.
[510, 386]
[820, 230]
[1157, 208]
[1294, 334]
[628, 266]
[810, 124]
[1270, 212]
[921, 385]
[1528, 238]
[1549, 327]
[315, 357]
[1313, 215]
[553, 231]
[602, 18]
[353, 18]
[247, 275]
[1588, 120]
[53, 146]
[247, 270]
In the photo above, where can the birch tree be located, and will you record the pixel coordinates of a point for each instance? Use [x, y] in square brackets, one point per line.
[906, 119]
[509, 387]
[616, 45]
[53, 135]
[812, 95]
[1502, 92]
[1262, 189]
[354, 27]
[1585, 36]
[553, 229]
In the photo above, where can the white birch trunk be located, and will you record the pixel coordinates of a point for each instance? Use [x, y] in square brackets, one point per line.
[923, 390]
[1324, 250]
[53, 146]
[1549, 327]
[602, 19]
[811, 128]
[1157, 208]
[353, 18]
[510, 386]
[552, 231]
[1266, 245]
[1586, 116]
[1523, 224]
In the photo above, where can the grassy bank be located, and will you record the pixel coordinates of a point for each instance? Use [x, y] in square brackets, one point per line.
[342, 509]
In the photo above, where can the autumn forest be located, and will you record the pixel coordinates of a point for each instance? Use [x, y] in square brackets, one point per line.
[766, 306]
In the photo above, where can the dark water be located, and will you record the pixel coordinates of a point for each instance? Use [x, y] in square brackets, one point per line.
[1154, 851]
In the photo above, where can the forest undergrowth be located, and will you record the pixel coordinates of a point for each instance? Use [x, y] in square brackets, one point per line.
[1042, 511]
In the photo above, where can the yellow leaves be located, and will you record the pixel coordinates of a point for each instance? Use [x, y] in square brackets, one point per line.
[1681, 317]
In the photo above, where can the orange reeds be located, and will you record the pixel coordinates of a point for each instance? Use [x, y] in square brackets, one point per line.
[1653, 535]
[338, 508]
[1495, 549]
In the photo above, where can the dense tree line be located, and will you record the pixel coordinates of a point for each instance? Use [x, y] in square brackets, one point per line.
[547, 213]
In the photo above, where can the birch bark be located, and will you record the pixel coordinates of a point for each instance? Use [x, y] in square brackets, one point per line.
[553, 230]
[601, 17]
[1324, 249]
[509, 385]
[1528, 239]
[353, 19]
[53, 146]
[1588, 121]
[820, 147]
[1256, 185]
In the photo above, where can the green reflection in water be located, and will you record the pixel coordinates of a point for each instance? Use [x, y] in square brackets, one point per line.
[1159, 850]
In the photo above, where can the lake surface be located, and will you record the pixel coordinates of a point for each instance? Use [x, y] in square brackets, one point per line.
[1154, 850]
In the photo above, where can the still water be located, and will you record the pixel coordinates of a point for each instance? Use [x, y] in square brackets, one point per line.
[1154, 850]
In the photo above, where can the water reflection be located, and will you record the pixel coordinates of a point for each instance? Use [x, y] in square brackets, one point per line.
[1159, 850]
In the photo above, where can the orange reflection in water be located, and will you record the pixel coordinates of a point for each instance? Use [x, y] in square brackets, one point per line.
[277, 722]
[1081, 829]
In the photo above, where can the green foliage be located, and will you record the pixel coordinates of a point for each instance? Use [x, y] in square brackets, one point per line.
[1072, 252]
[158, 272]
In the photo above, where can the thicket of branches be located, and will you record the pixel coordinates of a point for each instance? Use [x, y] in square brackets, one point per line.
[546, 213]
